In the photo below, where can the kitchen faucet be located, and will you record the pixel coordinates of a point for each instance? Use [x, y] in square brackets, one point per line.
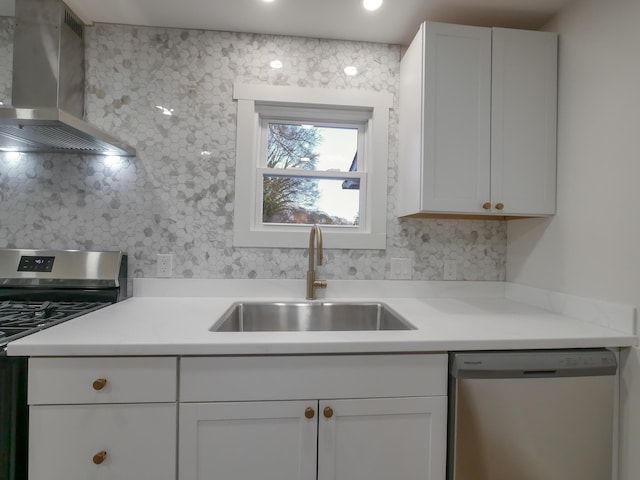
[312, 283]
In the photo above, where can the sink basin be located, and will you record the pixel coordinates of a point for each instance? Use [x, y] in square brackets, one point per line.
[309, 317]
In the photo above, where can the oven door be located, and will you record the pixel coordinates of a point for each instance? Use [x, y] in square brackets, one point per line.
[14, 417]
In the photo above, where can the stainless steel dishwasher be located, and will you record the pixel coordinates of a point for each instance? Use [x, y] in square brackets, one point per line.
[531, 415]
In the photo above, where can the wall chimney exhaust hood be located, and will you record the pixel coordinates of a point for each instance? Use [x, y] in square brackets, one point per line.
[48, 86]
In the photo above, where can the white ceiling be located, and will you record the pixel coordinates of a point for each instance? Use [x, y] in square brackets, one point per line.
[396, 22]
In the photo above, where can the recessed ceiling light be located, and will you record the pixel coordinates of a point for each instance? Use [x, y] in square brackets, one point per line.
[276, 64]
[372, 4]
[351, 70]
[268, 1]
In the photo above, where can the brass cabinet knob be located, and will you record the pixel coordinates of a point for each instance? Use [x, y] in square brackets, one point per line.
[499, 206]
[99, 457]
[486, 206]
[309, 412]
[328, 412]
[99, 384]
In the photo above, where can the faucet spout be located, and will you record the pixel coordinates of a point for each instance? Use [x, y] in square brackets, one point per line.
[315, 253]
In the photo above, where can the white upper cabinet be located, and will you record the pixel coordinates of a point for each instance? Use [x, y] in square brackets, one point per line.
[524, 85]
[445, 114]
[478, 122]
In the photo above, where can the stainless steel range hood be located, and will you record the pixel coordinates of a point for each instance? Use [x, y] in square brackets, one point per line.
[48, 86]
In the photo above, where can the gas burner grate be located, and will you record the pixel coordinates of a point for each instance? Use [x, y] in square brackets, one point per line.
[18, 318]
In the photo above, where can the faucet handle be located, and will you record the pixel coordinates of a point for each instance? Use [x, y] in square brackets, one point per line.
[319, 284]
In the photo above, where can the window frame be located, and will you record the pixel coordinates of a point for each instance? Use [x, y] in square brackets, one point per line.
[257, 103]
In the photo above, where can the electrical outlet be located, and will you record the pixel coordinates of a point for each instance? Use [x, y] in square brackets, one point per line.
[165, 264]
[400, 269]
[450, 269]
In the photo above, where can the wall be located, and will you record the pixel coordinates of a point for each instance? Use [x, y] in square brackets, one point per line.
[174, 199]
[591, 247]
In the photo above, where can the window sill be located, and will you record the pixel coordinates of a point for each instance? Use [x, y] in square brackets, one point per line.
[298, 237]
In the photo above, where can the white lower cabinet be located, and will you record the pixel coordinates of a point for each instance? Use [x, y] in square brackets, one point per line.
[307, 417]
[102, 418]
[348, 439]
[114, 442]
[247, 440]
[382, 439]
[387, 436]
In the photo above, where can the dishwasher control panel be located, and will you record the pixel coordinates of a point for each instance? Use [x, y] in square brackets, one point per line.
[532, 363]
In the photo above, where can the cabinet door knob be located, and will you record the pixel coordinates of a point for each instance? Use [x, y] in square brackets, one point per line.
[328, 412]
[99, 457]
[486, 206]
[499, 206]
[309, 412]
[99, 384]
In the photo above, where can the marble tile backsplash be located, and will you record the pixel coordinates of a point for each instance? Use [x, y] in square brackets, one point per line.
[177, 195]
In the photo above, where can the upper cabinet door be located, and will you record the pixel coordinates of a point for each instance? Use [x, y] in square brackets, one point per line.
[457, 116]
[445, 115]
[524, 119]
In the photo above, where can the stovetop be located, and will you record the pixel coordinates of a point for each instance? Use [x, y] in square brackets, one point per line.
[21, 318]
[42, 288]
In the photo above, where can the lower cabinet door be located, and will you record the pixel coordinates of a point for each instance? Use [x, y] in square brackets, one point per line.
[248, 441]
[102, 442]
[382, 439]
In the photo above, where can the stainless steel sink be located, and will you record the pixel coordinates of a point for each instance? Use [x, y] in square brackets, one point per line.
[309, 317]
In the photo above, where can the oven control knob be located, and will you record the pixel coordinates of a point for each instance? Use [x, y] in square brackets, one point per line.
[99, 457]
[99, 384]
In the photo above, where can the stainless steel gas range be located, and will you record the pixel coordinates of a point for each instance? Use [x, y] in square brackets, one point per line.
[40, 289]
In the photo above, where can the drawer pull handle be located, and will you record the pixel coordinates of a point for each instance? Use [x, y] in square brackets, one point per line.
[99, 457]
[309, 412]
[328, 412]
[499, 206]
[99, 384]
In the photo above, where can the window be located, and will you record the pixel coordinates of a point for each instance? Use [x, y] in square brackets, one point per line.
[307, 156]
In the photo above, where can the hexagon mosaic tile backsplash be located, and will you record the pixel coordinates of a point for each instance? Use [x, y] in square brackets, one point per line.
[172, 198]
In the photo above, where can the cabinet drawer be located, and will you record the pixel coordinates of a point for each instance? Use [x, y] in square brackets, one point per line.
[102, 380]
[139, 442]
[215, 379]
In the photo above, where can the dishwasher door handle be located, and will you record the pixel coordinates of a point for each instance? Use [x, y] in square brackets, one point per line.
[540, 373]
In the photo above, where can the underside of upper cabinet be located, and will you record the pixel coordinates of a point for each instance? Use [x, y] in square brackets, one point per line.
[478, 123]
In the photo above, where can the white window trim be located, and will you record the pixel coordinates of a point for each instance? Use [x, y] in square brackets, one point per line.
[250, 233]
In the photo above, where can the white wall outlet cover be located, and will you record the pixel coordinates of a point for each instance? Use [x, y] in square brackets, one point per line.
[165, 265]
[450, 270]
[400, 269]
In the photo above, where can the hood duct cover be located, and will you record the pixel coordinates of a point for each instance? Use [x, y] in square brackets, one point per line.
[48, 86]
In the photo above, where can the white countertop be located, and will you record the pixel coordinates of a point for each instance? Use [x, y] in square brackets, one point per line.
[447, 316]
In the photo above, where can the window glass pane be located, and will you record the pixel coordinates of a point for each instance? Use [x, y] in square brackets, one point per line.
[310, 200]
[311, 147]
